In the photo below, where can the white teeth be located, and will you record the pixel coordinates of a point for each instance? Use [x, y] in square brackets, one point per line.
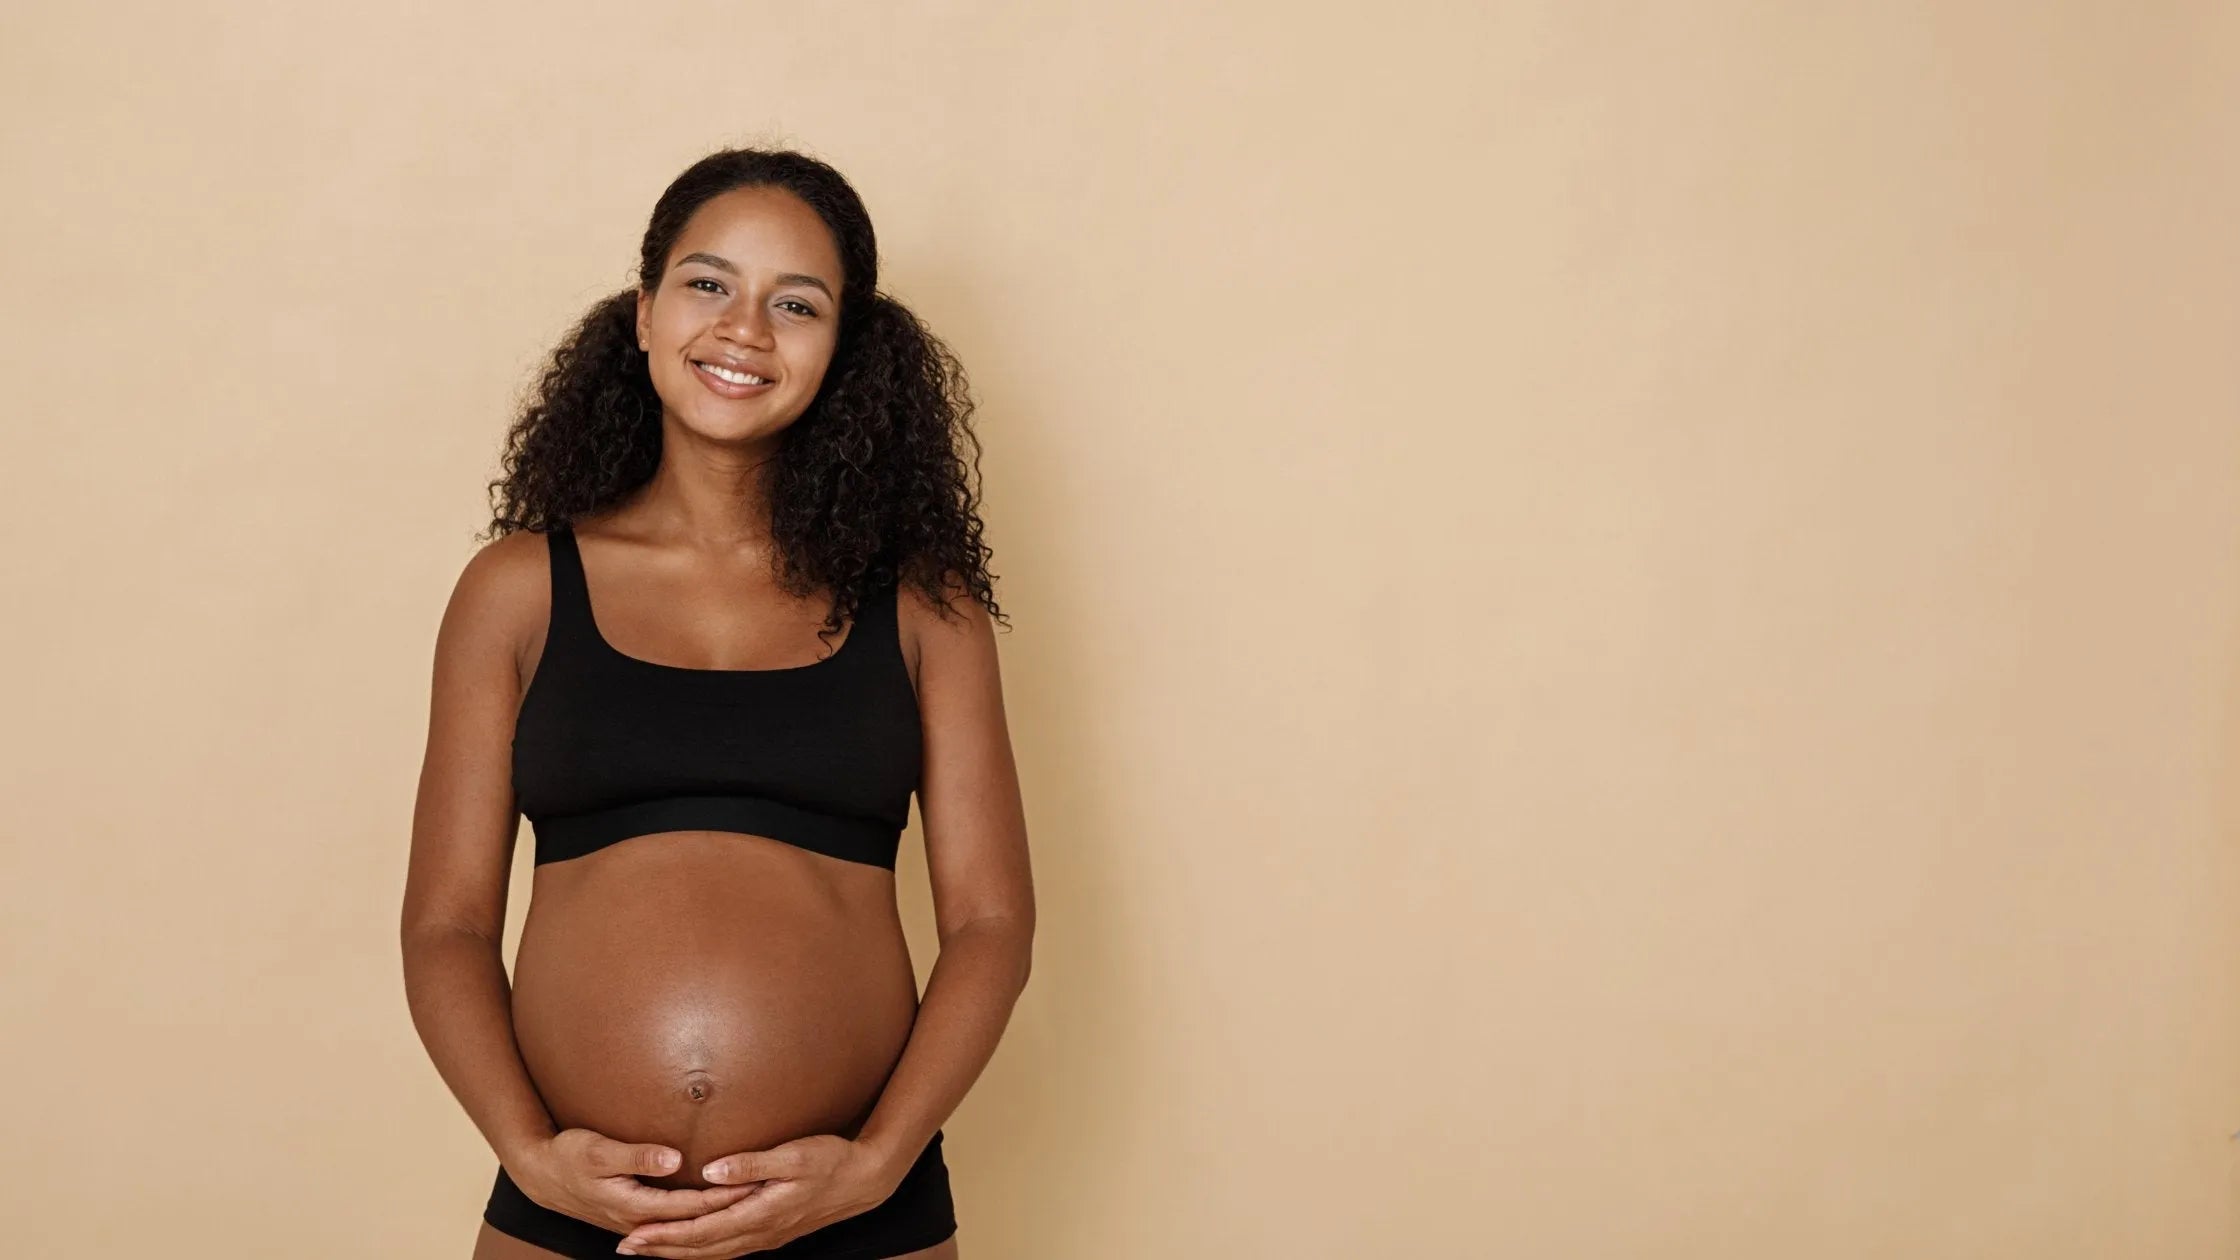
[736, 378]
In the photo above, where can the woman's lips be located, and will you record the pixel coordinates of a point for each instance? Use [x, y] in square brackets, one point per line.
[728, 389]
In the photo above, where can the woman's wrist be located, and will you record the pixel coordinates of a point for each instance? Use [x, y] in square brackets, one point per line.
[889, 1158]
[513, 1149]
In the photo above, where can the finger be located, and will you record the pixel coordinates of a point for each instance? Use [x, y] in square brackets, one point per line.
[738, 1245]
[646, 1158]
[777, 1162]
[720, 1251]
[650, 1203]
[749, 1215]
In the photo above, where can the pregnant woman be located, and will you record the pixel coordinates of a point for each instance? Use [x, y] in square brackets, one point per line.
[735, 612]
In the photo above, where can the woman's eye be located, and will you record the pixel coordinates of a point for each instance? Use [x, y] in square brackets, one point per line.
[703, 280]
[804, 307]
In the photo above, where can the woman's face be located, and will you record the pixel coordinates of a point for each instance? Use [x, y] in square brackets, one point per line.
[752, 286]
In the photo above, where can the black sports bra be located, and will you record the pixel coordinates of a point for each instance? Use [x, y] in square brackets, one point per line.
[607, 746]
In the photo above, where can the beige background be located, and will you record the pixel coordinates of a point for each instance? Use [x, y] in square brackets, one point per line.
[1625, 615]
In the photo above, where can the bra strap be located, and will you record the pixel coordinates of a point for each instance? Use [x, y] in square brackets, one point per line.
[571, 595]
[879, 616]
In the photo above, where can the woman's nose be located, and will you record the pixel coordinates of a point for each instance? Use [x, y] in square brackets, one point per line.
[745, 322]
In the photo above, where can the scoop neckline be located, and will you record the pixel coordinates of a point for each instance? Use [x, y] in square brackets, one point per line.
[599, 637]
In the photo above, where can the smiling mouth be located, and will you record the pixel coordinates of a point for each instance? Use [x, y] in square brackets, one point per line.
[731, 376]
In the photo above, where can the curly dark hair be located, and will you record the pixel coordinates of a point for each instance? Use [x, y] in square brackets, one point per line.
[873, 481]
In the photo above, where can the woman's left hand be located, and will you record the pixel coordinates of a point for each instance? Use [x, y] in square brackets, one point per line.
[807, 1184]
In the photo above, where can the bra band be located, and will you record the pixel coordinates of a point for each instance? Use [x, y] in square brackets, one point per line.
[564, 836]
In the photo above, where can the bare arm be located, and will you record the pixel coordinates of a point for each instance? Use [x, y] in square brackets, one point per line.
[463, 826]
[983, 889]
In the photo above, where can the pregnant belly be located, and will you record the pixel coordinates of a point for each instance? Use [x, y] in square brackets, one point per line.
[713, 992]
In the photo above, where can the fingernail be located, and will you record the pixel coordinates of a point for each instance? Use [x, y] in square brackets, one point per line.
[712, 1172]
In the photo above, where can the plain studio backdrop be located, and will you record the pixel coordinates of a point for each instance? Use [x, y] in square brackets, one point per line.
[1626, 616]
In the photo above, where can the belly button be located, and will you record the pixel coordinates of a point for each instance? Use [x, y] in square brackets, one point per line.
[699, 1086]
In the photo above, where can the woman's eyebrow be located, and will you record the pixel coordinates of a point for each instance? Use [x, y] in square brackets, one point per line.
[724, 264]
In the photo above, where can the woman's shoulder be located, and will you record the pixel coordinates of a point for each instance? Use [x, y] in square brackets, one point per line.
[513, 560]
[503, 593]
[957, 598]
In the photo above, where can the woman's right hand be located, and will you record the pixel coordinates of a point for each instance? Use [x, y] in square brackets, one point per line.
[594, 1178]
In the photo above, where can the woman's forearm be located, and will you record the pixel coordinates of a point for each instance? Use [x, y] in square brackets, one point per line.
[975, 982]
[455, 984]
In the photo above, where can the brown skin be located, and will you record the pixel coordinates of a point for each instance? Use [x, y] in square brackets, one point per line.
[710, 994]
